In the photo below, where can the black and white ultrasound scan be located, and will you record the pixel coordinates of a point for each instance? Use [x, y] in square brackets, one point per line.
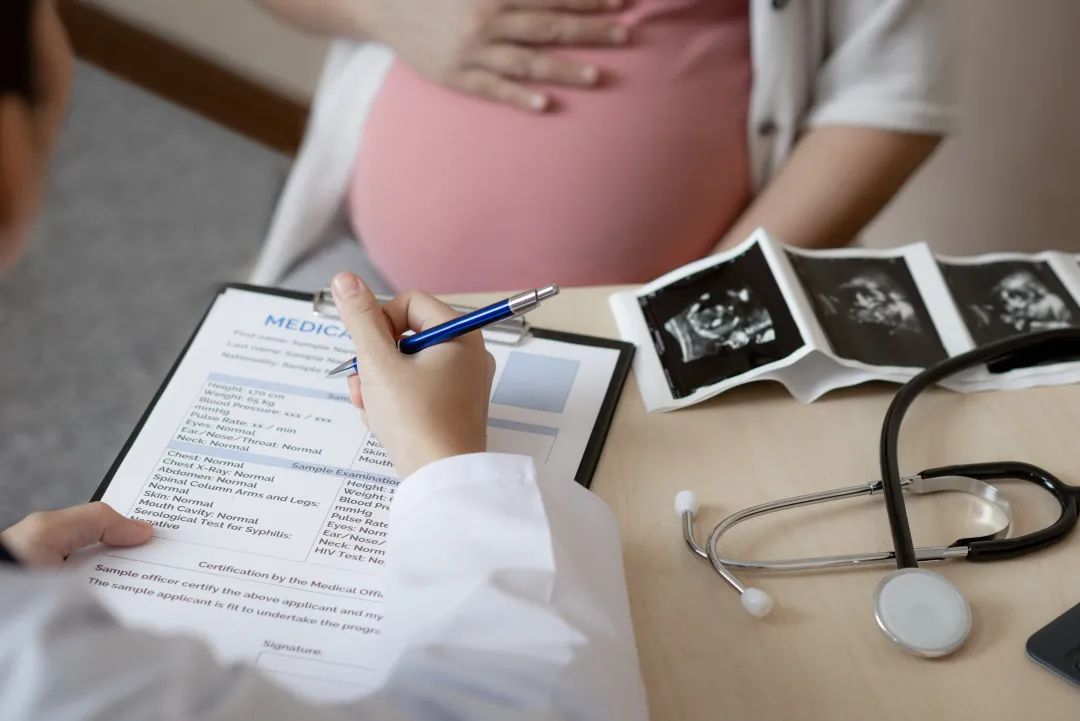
[1005, 298]
[720, 322]
[884, 315]
[731, 319]
[870, 309]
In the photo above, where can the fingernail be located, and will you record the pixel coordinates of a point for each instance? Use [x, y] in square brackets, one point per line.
[590, 74]
[620, 34]
[345, 285]
[538, 103]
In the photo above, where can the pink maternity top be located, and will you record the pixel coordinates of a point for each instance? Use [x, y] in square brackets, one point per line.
[618, 184]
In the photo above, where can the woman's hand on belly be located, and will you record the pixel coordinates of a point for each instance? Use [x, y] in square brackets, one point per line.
[495, 48]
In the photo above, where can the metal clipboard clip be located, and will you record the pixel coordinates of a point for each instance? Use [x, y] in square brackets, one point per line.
[512, 331]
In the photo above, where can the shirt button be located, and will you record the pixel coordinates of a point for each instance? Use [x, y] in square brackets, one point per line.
[767, 128]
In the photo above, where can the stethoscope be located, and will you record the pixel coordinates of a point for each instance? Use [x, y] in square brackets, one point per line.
[920, 610]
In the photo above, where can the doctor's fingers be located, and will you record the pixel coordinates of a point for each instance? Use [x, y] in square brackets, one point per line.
[90, 523]
[557, 28]
[46, 538]
[355, 393]
[520, 63]
[416, 310]
[363, 316]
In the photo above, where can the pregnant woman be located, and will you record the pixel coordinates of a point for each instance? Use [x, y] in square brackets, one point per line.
[482, 144]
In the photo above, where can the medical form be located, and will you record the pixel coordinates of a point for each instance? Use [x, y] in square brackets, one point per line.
[270, 498]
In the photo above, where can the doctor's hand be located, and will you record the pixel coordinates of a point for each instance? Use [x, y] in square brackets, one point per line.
[421, 407]
[46, 538]
[493, 48]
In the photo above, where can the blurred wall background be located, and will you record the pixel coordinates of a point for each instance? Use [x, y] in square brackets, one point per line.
[238, 34]
[1009, 179]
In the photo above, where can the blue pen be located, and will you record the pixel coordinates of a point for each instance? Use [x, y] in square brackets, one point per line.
[519, 304]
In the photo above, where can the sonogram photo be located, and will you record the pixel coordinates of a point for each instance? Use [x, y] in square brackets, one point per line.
[720, 322]
[730, 319]
[1004, 298]
[870, 310]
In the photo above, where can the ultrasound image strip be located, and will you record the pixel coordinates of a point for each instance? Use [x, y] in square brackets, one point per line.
[1005, 298]
[870, 310]
[720, 322]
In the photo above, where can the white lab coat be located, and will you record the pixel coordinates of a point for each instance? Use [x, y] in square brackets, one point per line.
[876, 63]
[505, 600]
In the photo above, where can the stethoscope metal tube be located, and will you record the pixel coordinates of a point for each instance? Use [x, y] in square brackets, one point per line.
[686, 506]
[754, 600]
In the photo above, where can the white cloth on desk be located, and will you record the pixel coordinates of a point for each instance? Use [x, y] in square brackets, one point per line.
[505, 599]
[880, 63]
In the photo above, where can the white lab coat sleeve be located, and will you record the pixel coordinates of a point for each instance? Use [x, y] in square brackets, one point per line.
[509, 598]
[64, 658]
[888, 64]
[505, 599]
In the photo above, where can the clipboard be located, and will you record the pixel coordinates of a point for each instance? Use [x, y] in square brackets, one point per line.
[512, 334]
[260, 477]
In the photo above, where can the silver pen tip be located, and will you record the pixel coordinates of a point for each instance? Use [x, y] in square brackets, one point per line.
[345, 369]
[549, 292]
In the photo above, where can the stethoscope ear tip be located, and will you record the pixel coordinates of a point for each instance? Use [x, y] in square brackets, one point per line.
[686, 502]
[756, 602]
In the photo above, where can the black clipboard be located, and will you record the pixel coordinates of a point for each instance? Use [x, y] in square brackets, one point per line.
[589, 459]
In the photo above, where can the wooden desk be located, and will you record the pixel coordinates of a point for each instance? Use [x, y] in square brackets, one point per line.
[820, 654]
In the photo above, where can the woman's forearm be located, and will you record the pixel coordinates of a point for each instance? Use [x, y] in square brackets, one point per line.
[351, 18]
[836, 180]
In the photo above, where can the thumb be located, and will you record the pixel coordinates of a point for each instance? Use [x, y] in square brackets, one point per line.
[91, 523]
[363, 316]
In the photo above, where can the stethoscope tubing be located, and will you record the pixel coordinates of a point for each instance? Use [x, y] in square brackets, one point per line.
[1068, 498]
[908, 596]
[1046, 345]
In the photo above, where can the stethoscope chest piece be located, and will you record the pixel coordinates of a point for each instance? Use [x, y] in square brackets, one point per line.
[922, 612]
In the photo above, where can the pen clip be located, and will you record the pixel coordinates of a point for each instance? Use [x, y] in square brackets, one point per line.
[511, 331]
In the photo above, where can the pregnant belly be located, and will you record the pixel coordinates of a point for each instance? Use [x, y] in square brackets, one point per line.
[621, 184]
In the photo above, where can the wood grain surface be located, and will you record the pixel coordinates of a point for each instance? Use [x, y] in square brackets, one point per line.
[820, 654]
